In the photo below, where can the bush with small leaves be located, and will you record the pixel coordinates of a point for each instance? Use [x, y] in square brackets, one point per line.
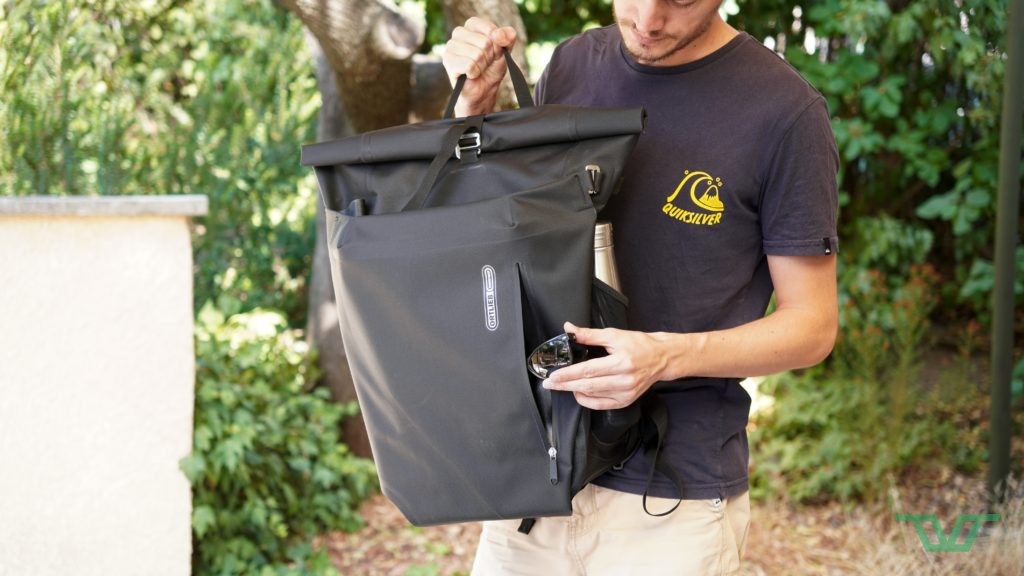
[268, 469]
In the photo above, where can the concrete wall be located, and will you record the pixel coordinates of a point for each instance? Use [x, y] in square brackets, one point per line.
[96, 385]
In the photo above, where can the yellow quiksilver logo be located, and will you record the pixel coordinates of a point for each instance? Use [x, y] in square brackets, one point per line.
[704, 192]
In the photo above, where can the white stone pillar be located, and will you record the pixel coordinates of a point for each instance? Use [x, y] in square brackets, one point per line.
[97, 374]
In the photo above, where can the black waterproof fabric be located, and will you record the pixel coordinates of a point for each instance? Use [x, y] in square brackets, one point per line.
[448, 272]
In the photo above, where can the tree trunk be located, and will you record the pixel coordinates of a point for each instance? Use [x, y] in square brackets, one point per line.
[369, 45]
[322, 330]
[363, 51]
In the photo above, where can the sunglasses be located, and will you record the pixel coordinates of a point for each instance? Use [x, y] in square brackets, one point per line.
[558, 352]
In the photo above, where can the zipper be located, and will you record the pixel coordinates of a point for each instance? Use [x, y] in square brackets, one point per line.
[545, 400]
[552, 440]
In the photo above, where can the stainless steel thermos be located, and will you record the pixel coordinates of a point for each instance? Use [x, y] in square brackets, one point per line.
[604, 255]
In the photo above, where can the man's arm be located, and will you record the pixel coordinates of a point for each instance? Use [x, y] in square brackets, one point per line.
[799, 333]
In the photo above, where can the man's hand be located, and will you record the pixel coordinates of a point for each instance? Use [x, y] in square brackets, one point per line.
[475, 50]
[634, 363]
[799, 333]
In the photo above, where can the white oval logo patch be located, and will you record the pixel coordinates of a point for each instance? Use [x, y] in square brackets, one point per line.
[490, 282]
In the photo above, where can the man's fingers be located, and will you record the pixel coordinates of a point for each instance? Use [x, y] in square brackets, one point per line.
[495, 37]
[476, 51]
[461, 59]
[504, 37]
[604, 366]
[463, 35]
[481, 25]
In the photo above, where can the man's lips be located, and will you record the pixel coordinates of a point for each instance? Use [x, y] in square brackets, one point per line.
[646, 40]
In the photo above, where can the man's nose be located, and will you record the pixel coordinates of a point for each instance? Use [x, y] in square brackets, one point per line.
[650, 16]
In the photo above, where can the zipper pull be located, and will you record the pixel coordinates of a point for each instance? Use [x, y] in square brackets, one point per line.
[594, 171]
[553, 465]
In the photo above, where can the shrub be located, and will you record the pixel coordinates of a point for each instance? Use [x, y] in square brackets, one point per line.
[268, 470]
[845, 429]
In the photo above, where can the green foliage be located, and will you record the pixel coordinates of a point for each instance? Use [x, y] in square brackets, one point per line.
[545, 20]
[172, 96]
[844, 431]
[915, 91]
[555, 20]
[268, 470]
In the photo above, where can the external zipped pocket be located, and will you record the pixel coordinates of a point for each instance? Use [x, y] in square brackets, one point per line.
[533, 336]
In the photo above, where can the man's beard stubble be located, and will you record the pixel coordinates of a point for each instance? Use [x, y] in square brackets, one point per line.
[681, 41]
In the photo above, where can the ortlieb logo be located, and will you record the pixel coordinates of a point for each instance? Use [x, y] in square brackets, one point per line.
[490, 282]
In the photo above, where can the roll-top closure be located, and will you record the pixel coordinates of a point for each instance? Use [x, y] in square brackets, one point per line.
[508, 130]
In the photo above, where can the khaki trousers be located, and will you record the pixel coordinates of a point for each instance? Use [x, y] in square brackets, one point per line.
[609, 534]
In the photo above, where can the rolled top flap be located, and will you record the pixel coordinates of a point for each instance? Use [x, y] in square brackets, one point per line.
[549, 124]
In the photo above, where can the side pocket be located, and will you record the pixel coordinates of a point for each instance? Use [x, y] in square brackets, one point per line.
[609, 308]
[533, 336]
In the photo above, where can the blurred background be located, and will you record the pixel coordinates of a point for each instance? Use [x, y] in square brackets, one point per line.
[182, 97]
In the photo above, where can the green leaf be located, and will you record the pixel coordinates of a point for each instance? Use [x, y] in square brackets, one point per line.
[209, 317]
[978, 198]
[203, 518]
[194, 466]
[942, 206]
[202, 438]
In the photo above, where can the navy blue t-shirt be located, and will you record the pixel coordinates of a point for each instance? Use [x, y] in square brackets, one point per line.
[738, 162]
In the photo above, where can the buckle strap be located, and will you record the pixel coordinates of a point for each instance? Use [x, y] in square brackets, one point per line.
[455, 134]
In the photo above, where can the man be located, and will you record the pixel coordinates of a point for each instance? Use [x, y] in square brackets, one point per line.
[729, 195]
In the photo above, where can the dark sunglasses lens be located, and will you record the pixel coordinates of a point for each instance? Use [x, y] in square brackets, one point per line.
[551, 355]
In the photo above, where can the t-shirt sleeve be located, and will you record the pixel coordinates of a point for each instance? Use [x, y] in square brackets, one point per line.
[800, 201]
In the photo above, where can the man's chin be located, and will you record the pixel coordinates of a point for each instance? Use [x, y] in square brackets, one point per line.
[647, 55]
[650, 52]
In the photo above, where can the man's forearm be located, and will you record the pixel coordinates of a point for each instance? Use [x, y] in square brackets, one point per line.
[784, 340]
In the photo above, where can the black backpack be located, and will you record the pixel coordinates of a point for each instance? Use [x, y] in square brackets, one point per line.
[457, 246]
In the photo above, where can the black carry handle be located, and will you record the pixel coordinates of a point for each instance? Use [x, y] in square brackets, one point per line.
[451, 138]
[522, 89]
